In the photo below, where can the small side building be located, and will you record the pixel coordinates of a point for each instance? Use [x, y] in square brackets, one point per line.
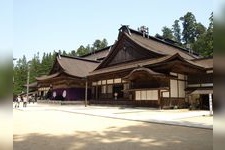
[200, 87]
[67, 78]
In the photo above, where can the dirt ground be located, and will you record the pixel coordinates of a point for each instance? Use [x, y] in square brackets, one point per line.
[46, 129]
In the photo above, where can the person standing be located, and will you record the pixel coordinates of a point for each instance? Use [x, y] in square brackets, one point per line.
[15, 102]
[25, 99]
[18, 102]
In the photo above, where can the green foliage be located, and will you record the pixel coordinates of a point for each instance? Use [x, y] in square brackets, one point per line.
[88, 48]
[167, 33]
[194, 33]
[73, 53]
[36, 68]
[204, 42]
[189, 28]
[97, 45]
[176, 31]
[104, 43]
[200, 29]
[82, 51]
[20, 75]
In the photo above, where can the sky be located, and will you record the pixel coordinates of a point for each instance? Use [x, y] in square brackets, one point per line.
[48, 25]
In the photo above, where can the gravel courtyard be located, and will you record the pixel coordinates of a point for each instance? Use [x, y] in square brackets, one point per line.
[44, 128]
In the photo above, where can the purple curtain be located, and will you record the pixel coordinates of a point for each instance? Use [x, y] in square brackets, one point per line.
[71, 94]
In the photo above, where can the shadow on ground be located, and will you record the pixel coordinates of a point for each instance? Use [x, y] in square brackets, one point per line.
[144, 136]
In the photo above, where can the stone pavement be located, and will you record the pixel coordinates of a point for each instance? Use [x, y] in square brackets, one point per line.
[178, 117]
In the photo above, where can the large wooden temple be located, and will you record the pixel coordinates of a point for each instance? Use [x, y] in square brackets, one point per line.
[137, 70]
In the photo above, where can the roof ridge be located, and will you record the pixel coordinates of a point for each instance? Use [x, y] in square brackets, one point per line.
[203, 58]
[160, 40]
[99, 50]
[78, 58]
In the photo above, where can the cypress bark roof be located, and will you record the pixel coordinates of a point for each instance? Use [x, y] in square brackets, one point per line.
[76, 66]
[98, 55]
[73, 66]
[206, 62]
[159, 46]
[143, 44]
[154, 61]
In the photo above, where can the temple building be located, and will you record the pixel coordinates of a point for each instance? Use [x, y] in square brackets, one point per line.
[141, 70]
[67, 79]
[137, 70]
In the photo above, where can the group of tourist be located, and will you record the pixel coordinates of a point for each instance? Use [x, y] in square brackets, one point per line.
[22, 99]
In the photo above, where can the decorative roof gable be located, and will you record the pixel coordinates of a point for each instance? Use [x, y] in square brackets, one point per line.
[134, 45]
[72, 66]
[125, 50]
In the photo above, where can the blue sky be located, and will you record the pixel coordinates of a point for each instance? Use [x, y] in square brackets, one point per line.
[47, 25]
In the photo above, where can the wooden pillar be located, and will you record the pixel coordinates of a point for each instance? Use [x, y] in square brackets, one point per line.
[159, 99]
[28, 80]
[210, 104]
[96, 92]
[86, 91]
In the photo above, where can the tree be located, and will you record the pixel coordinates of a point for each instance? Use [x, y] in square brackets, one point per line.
[176, 31]
[211, 22]
[64, 52]
[97, 45]
[200, 45]
[200, 29]
[20, 75]
[204, 43]
[167, 33]
[46, 63]
[35, 68]
[104, 43]
[73, 53]
[81, 51]
[189, 28]
[88, 48]
[209, 36]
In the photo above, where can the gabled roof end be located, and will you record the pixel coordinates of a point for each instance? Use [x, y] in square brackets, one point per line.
[125, 28]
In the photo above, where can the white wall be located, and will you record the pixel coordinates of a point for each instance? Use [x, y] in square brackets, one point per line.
[173, 88]
[146, 95]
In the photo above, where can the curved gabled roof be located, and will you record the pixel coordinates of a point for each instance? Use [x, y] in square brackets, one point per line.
[206, 62]
[148, 71]
[158, 46]
[147, 62]
[77, 67]
[46, 77]
[72, 66]
[144, 44]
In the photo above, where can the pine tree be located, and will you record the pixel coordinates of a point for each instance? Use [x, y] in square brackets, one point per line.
[20, 76]
[167, 33]
[189, 28]
[177, 31]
